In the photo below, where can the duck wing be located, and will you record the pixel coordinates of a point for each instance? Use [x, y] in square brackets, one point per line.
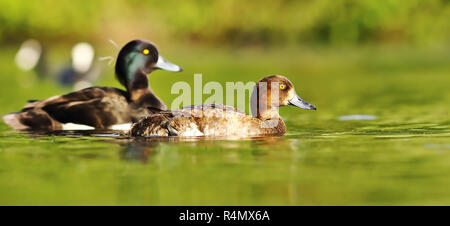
[98, 107]
[195, 120]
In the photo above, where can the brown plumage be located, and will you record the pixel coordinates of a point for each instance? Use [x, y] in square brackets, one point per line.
[101, 107]
[219, 120]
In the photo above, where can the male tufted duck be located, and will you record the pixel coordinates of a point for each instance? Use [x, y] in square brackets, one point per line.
[101, 107]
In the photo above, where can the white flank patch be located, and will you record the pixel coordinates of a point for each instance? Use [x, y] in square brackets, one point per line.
[192, 131]
[73, 126]
[125, 126]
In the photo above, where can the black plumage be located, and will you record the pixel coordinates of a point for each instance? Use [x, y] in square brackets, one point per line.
[101, 107]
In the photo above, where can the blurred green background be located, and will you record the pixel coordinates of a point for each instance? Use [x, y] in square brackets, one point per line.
[230, 22]
[389, 59]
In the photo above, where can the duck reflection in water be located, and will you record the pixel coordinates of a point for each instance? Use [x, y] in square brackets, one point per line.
[144, 149]
[139, 151]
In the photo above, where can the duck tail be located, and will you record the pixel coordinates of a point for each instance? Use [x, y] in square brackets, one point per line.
[13, 120]
[34, 119]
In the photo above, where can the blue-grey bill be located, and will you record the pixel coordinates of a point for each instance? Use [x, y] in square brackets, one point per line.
[166, 65]
[299, 102]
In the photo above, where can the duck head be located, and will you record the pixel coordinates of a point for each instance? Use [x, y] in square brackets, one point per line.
[272, 92]
[137, 58]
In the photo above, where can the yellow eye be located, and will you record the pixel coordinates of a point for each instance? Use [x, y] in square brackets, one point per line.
[145, 51]
[282, 86]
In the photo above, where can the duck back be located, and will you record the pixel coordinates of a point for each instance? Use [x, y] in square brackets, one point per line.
[214, 120]
[98, 107]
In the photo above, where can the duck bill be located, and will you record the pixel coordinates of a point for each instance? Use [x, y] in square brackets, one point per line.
[299, 102]
[166, 65]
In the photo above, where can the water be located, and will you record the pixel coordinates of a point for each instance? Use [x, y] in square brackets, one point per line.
[401, 157]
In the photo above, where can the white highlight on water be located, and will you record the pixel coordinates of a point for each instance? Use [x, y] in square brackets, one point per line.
[357, 117]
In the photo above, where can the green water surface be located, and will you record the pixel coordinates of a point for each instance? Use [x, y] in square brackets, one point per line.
[402, 157]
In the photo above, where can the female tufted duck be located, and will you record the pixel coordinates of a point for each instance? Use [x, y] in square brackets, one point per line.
[216, 120]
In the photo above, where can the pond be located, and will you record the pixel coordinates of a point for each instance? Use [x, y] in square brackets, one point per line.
[380, 136]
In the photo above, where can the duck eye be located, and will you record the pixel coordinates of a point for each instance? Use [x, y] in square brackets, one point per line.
[282, 86]
[145, 51]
